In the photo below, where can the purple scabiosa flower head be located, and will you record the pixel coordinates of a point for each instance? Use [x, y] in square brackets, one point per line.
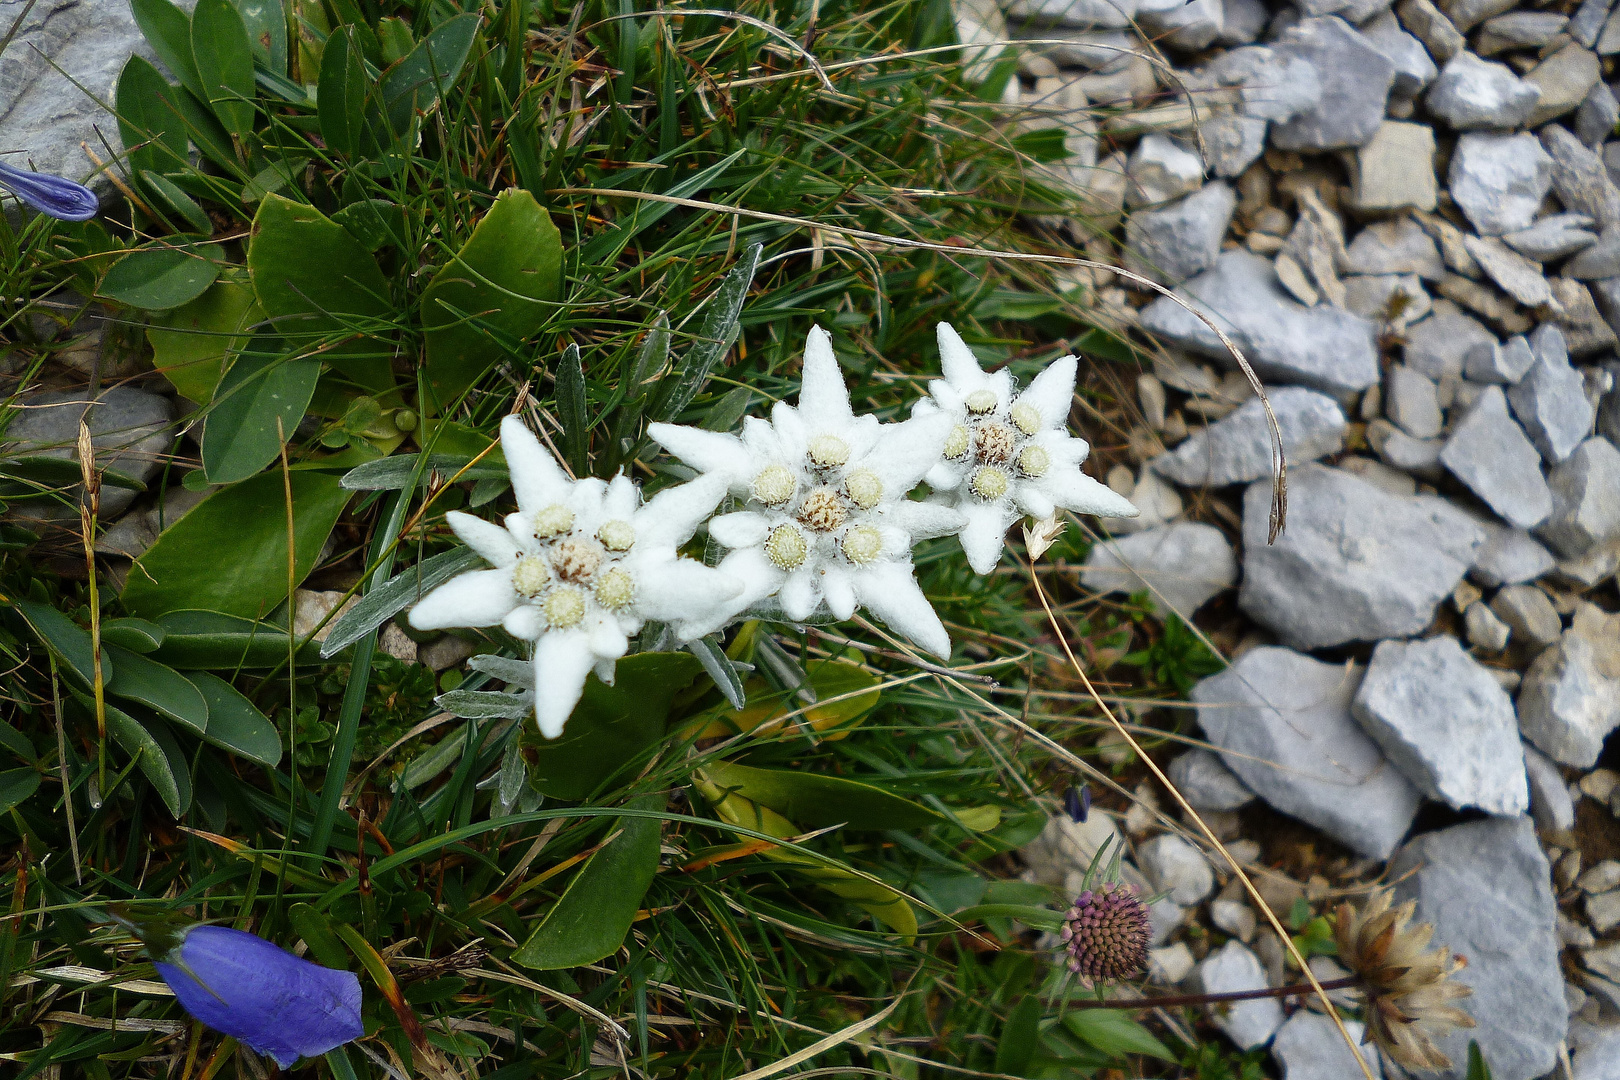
[257, 992]
[1106, 934]
[53, 196]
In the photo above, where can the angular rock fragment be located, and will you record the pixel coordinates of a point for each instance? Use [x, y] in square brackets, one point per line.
[1206, 783]
[1355, 79]
[1399, 246]
[1182, 565]
[1472, 94]
[1490, 453]
[1550, 401]
[1567, 706]
[1585, 498]
[1237, 448]
[1500, 180]
[1181, 240]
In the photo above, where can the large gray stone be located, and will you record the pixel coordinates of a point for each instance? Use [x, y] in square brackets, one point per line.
[1486, 888]
[1446, 723]
[1237, 448]
[1181, 240]
[1586, 499]
[1599, 260]
[1520, 30]
[1550, 401]
[1579, 178]
[1395, 170]
[1309, 1047]
[1272, 84]
[1188, 27]
[1597, 116]
[1183, 565]
[1106, 14]
[1175, 867]
[1162, 169]
[1206, 783]
[1233, 969]
[1509, 557]
[1354, 564]
[1565, 79]
[1395, 247]
[1430, 26]
[1529, 612]
[1550, 804]
[1500, 180]
[1517, 276]
[1414, 67]
[129, 430]
[1567, 706]
[1553, 237]
[1472, 94]
[1490, 453]
[1439, 345]
[1233, 143]
[1320, 347]
[1587, 22]
[1282, 723]
[1412, 400]
[1504, 363]
[1355, 76]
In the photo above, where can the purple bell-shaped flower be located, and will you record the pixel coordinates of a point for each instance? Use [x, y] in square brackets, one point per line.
[53, 196]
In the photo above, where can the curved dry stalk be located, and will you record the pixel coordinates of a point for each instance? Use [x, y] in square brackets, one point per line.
[1279, 464]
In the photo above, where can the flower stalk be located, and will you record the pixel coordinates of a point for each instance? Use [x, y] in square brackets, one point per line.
[1349, 982]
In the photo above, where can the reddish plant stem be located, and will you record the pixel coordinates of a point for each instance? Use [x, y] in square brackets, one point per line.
[1215, 999]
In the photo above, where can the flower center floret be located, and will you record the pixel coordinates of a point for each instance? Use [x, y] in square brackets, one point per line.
[787, 547]
[617, 536]
[576, 561]
[553, 520]
[564, 607]
[865, 488]
[1034, 461]
[822, 510]
[773, 485]
[1026, 418]
[530, 576]
[981, 402]
[862, 544]
[616, 589]
[989, 483]
[828, 452]
[957, 442]
[994, 443]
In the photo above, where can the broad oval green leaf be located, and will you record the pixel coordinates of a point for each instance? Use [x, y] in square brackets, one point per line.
[1114, 1032]
[229, 553]
[415, 83]
[316, 281]
[159, 688]
[168, 30]
[160, 278]
[818, 801]
[266, 23]
[167, 196]
[376, 223]
[341, 96]
[212, 639]
[142, 743]
[503, 282]
[235, 723]
[224, 58]
[136, 635]
[149, 118]
[191, 343]
[16, 785]
[593, 915]
[71, 643]
[1020, 1037]
[258, 405]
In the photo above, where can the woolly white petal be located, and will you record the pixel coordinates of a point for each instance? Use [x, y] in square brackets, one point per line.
[888, 591]
[748, 568]
[792, 435]
[682, 591]
[524, 622]
[948, 398]
[477, 598]
[740, 530]
[1032, 501]
[608, 642]
[605, 671]
[801, 593]
[492, 542]
[944, 475]
[957, 362]
[985, 533]
[906, 451]
[1051, 392]
[562, 660]
[537, 479]
[924, 520]
[620, 500]
[840, 593]
[823, 398]
[671, 517]
[705, 451]
[1074, 490]
[1000, 384]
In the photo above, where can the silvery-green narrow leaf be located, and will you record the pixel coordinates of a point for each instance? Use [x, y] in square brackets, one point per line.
[571, 408]
[514, 776]
[783, 670]
[728, 410]
[387, 600]
[714, 337]
[487, 704]
[720, 669]
[395, 473]
[504, 668]
[652, 358]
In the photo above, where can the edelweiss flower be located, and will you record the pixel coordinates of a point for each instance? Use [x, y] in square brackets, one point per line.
[826, 520]
[578, 569]
[1407, 989]
[1008, 453]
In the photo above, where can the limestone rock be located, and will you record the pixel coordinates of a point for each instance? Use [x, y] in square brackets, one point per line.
[1564, 79]
[1566, 705]
[1412, 401]
[129, 430]
[1182, 565]
[1490, 453]
[1586, 499]
[1504, 362]
[1430, 26]
[1206, 783]
[1181, 240]
[1553, 237]
[1394, 247]
[1395, 170]
[1509, 557]
[1550, 401]
[1550, 803]
[1528, 611]
[1471, 94]
[1162, 169]
[1309, 1047]
[1355, 77]
[1500, 180]
[1518, 276]
[1579, 177]
[1231, 969]
[1175, 867]
[1237, 448]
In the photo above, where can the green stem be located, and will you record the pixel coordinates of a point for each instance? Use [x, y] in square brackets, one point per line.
[1214, 999]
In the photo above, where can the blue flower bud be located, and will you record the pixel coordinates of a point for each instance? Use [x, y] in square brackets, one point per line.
[53, 196]
[261, 995]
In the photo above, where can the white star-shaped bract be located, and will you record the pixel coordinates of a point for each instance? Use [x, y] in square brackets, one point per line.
[578, 569]
[826, 522]
[1008, 453]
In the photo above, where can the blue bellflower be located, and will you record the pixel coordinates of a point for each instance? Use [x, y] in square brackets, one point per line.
[53, 196]
[261, 995]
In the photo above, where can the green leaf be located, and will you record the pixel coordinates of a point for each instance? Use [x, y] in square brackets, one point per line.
[266, 23]
[396, 473]
[611, 725]
[159, 688]
[341, 96]
[486, 704]
[212, 639]
[235, 723]
[1114, 1032]
[168, 196]
[168, 31]
[164, 277]
[571, 408]
[1040, 918]
[593, 915]
[315, 927]
[149, 118]
[505, 280]
[1477, 1068]
[413, 85]
[243, 434]
[229, 553]
[64, 637]
[314, 280]
[376, 223]
[818, 801]
[150, 748]
[388, 599]
[224, 59]
[1020, 1037]
[714, 337]
[16, 785]
[136, 635]
[190, 343]
[17, 743]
